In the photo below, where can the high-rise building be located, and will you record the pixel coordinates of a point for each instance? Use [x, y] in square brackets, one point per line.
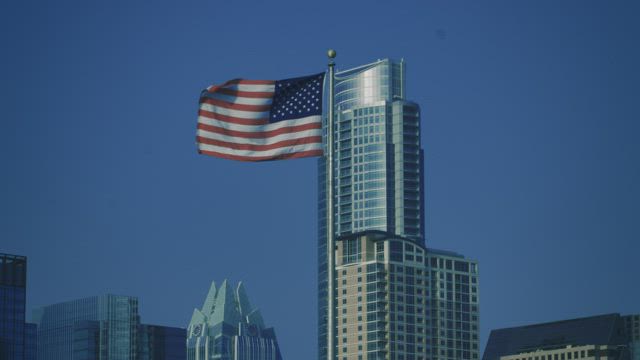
[453, 299]
[399, 300]
[99, 327]
[378, 164]
[632, 324]
[379, 205]
[161, 343]
[30, 341]
[228, 327]
[13, 295]
[596, 337]
[104, 327]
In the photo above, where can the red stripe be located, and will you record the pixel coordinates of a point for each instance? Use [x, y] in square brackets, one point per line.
[260, 134]
[253, 147]
[243, 82]
[228, 105]
[296, 155]
[247, 94]
[232, 119]
[250, 82]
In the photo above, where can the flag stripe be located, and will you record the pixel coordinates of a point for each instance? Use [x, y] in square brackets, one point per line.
[237, 99]
[258, 127]
[244, 87]
[252, 147]
[260, 155]
[259, 141]
[235, 113]
[297, 155]
[232, 106]
[232, 119]
[249, 94]
[259, 134]
[249, 82]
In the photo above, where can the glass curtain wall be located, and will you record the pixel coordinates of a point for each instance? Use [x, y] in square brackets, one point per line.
[378, 164]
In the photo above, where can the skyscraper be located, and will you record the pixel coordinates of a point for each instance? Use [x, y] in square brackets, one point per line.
[416, 303]
[632, 323]
[13, 292]
[99, 327]
[104, 327]
[30, 341]
[161, 343]
[399, 300]
[378, 164]
[228, 327]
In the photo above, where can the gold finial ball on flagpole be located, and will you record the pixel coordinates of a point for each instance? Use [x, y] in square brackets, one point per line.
[331, 53]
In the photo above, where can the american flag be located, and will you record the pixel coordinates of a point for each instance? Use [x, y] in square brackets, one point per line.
[257, 120]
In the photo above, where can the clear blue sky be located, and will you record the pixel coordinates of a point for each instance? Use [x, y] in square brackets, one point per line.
[530, 128]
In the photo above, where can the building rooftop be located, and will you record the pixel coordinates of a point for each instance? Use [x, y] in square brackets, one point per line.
[379, 235]
[594, 330]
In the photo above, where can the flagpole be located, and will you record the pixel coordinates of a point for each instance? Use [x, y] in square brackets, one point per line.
[331, 263]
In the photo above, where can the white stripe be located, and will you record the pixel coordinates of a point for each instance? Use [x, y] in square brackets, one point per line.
[238, 99]
[234, 113]
[273, 152]
[260, 141]
[254, 128]
[247, 87]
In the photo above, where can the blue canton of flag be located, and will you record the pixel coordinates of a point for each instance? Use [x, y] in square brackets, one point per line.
[297, 98]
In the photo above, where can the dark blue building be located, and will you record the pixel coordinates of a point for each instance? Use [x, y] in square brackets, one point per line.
[13, 294]
[30, 341]
[592, 337]
[161, 343]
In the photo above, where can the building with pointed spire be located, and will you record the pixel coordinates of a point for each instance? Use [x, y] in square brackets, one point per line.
[228, 327]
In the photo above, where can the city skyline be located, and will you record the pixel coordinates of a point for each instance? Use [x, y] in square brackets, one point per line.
[528, 122]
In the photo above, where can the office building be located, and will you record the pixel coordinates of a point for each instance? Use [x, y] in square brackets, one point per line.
[13, 295]
[632, 325]
[161, 343]
[103, 327]
[379, 205]
[30, 341]
[399, 300]
[596, 337]
[579, 352]
[228, 327]
[99, 327]
[378, 164]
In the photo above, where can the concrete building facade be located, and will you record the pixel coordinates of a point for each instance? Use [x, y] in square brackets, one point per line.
[398, 300]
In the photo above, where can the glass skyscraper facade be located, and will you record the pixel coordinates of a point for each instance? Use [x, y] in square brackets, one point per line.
[13, 294]
[632, 323]
[161, 343]
[30, 341]
[378, 164]
[395, 299]
[100, 327]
